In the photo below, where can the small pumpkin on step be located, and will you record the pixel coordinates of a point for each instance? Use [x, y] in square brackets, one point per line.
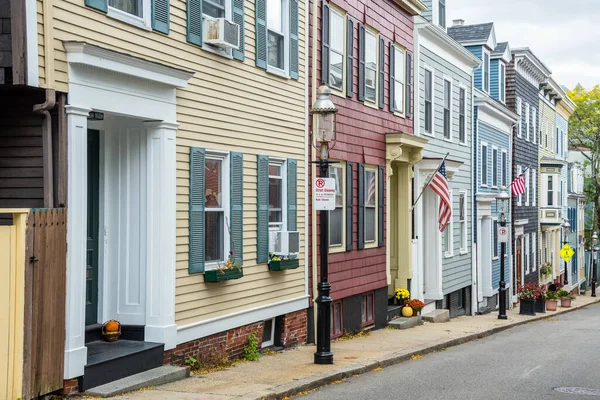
[111, 330]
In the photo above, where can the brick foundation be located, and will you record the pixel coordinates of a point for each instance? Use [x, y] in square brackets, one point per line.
[231, 343]
[70, 387]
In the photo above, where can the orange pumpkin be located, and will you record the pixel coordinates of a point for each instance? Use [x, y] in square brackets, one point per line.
[111, 326]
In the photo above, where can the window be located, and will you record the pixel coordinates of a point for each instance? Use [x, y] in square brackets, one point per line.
[428, 101]
[399, 77]
[495, 239]
[534, 251]
[462, 111]
[447, 235]
[547, 134]
[520, 121]
[336, 47]
[462, 213]
[133, 7]
[484, 165]
[277, 26]
[534, 187]
[557, 146]
[371, 52]
[519, 197]
[550, 199]
[268, 336]
[336, 319]
[534, 118]
[276, 195]
[486, 72]
[504, 169]
[215, 209]
[527, 121]
[502, 82]
[559, 194]
[526, 253]
[527, 187]
[214, 8]
[336, 217]
[494, 167]
[442, 13]
[370, 205]
[367, 315]
[447, 108]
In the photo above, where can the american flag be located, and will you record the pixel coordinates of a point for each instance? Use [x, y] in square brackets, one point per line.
[518, 186]
[439, 184]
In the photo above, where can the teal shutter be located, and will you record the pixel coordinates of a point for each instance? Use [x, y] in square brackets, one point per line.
[392, 87]
[292, 194]
[236, 223]
[380, 206]
[160, 15]
[196, 245]
[238, 17]
[260, 27]
[194, 21]
[325, 51]
[262, 205]
[294, 67]
[100, 5]
[381, 72]
[361, 206]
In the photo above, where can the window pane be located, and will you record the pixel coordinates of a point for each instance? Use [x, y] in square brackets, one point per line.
[336, 32]
[399, 97]
[275, 200]
[336, 173]
[461, 132]
[484, 165]
[370, 307]
[213, 173]
[370, 193]
[399, 64]
[276, 49]
[335, 227]
[370, 81]
[447, 94]
[274, 170]
[428, 88]
[445, 239]
[337, 318]
[214, 8]
[442, 13]
[495, 167]
[371, 65]
[364, 309]
[462, 207]
[370, 224]
[133, 7]
[428, 116]
[503, 169]
[447, 124]
[336, 70]
[274, 16]
[214, 236]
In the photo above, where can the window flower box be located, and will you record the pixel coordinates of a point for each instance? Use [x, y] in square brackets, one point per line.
[282, 265]
[224, 274]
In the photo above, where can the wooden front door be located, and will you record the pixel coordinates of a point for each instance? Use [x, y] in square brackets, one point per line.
[93, 175]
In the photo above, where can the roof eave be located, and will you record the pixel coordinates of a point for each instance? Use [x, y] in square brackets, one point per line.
[468, 57]
[414, 7]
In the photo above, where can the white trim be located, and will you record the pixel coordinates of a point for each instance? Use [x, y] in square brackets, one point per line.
[506, 169]
[501, 88]
[465, 233]
[450, 120]
[436, 40]
[526, 252]
[282, 163]
[520, 119]
[461, 86]
[494, 113]
[534, 250]
[211, 326]
[449, 253]
[535, 124]
[31, 35]
[487, 157]
[285, 72]
[489, 71]
[333, 9]
[527, 186]
[81, 53]
[375, 33]
[527, 122]
[271, 341]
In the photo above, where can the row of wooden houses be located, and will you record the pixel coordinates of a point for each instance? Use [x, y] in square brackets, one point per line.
[175, 137]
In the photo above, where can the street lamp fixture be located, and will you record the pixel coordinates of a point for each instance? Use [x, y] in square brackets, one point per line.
[594, 267]
[501, 201]
[566, 228]
[324, 135]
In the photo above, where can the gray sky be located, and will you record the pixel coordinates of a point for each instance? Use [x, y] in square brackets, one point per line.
[564, 35]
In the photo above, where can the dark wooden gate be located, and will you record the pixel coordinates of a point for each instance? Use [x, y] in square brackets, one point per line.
[45, 288]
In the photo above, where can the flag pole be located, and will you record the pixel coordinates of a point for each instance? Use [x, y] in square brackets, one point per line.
[522, 172]
[428, 182]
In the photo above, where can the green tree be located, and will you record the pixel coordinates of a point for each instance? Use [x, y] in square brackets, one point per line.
[584, 136]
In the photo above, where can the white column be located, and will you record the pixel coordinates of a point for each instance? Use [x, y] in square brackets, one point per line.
[160, 276]
[75, 350]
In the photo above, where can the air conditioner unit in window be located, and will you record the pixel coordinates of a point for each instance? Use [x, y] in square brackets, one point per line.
[284, 243]
[221, 32]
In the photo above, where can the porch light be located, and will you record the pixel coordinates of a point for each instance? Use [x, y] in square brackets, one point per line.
[501, 198]
[323, 113]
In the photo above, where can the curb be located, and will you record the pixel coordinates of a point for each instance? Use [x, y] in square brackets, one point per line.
[310, 383]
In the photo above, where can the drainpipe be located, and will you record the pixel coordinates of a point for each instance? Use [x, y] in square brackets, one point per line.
[47, 145]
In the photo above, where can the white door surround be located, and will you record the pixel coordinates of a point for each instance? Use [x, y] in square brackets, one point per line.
[118, 84]
[485, 287]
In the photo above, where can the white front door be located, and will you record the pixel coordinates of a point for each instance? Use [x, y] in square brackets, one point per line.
[124, 219]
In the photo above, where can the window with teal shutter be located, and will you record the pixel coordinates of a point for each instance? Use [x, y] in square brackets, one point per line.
[160, 15]
[294, 67]
[100, 5]
[194, 22]
[292, 194]
[236, 225]
[238, 17]
[262, 205]
[197, 218]
[260, 12]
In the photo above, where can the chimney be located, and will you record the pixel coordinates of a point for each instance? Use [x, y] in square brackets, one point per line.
[458, 22]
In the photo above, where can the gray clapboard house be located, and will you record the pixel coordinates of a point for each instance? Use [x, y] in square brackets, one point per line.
[444, 272]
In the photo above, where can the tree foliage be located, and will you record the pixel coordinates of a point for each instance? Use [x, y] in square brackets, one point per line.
[584, 136]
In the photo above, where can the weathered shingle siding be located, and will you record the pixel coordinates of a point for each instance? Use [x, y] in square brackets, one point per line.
[478, 51]
[524, 153]
[456, 271]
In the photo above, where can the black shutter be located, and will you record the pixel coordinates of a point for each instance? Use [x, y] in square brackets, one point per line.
[381, 71]
[325, 44]
[349, 204]
[194, 21]
[361, 206]
[408, 85]
[361, 62]
[392, 78]
[350, 58]
[380, 208]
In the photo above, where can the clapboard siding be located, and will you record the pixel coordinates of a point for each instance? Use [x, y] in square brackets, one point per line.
[361, 133]
[456, 270]
[494, 79]
[478, 79]
[428, 14]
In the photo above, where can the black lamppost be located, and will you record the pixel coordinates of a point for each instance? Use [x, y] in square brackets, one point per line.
[501, 198]
[323, 113]
[594, 255]
[566, 227]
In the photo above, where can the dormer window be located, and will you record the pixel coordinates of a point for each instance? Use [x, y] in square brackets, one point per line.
[442, 13]
[486, 72]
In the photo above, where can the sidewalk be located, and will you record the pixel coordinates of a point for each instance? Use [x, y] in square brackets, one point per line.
[290, 372]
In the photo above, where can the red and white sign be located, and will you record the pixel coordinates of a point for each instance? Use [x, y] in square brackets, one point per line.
[502, 234]
[324, 190]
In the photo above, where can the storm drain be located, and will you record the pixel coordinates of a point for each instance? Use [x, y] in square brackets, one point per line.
[578, 390]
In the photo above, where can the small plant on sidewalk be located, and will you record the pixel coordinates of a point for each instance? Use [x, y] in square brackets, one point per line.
[251, 352]
[529, 292]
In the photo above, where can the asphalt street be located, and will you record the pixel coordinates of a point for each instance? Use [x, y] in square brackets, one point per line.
[526, 362]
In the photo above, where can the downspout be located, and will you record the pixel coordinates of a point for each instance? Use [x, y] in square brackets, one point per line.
[47, 146]
[475, 290]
